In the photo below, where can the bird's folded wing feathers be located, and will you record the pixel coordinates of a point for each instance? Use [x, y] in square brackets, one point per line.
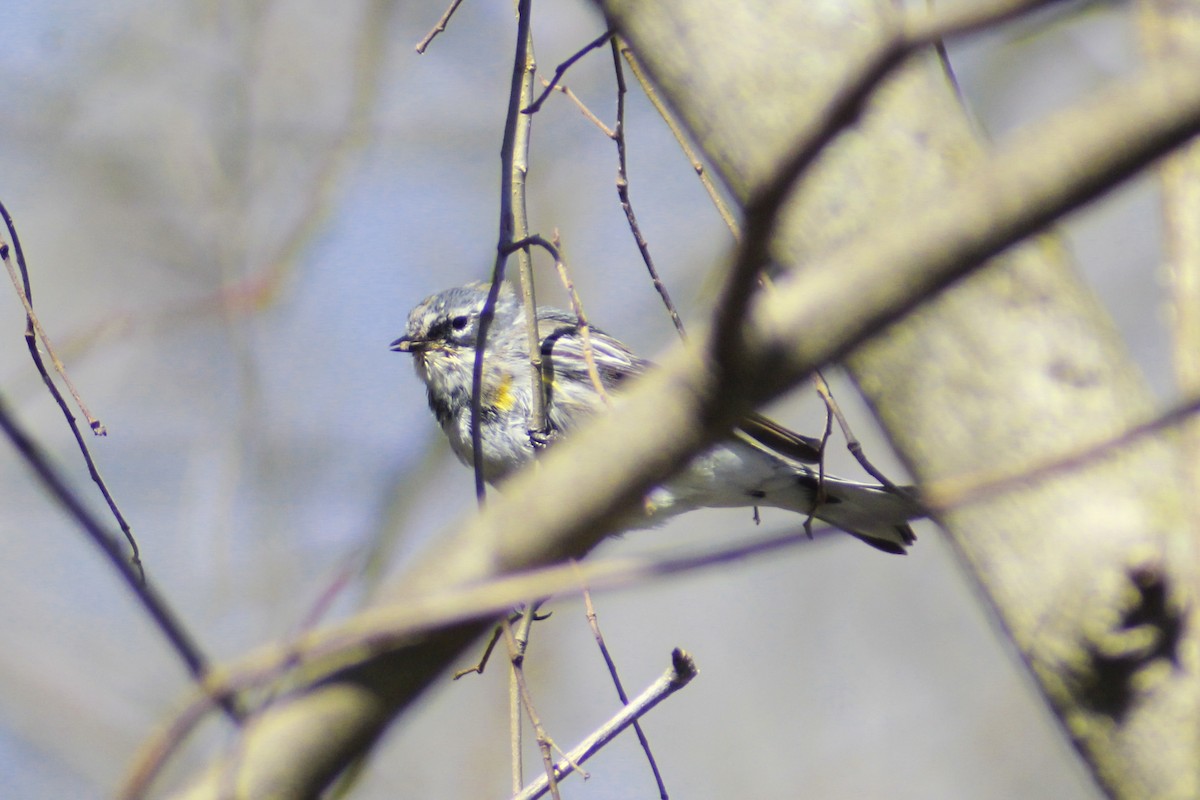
[774, 437]
[561, 336]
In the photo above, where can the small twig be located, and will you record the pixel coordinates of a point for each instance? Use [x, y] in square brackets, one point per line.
[594, 624]
[513, 160]
[439, 27]
[516, 651]
[583, 109]
[682, 138]
[156, 607]
[516, 748]
[623, 195]
[485, 324]
[35, 328]
[682, 670]
[819, 499]
[599, 41]
[524, 70]
[576, 306]
[852, 443]
[478, 667]
[25, 291]
[585, 330]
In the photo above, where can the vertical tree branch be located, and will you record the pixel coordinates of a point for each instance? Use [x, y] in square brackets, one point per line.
[514, 155]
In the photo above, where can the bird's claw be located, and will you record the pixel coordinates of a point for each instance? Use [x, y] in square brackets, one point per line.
[541, 439]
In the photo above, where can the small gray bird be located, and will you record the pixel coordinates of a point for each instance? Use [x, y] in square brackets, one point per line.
[763, 464]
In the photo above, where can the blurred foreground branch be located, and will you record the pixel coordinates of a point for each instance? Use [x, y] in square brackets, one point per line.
[698, 51]
[1090, 572]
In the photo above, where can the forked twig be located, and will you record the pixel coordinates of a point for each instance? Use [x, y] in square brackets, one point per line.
[852, 443]
[585, 331]
[513, 152]
[25, 291]
[536, 105]
[478, 667]
[680, 674]
[516, 652]
[617, 134]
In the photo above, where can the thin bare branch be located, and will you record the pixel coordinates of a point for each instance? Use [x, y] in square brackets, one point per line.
[25, 291]
[514, 153]
[516, 653]
[35, 328]
[585, 331]
[524, 70]
[594, 624]
[682, 138]
[583, 109]
[826, 432]
[155, 606]
[852, 442]
[439, 27]
[536, 105]
[623, 195]
[680, 674]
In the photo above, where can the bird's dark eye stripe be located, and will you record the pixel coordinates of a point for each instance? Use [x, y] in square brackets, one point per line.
[439, 329]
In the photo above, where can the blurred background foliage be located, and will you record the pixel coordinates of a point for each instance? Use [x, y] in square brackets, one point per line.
[229, 208]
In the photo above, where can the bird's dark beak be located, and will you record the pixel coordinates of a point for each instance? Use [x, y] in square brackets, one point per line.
[407, 344]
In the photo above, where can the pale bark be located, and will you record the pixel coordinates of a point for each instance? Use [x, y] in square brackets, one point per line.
[1015, 364]
[1010, 368]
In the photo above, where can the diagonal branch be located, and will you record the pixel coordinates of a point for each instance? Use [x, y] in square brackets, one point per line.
[674, 412]
[680, 674]
[155, 605]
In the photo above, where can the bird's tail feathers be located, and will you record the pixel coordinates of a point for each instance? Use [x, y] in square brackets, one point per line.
[876, 515]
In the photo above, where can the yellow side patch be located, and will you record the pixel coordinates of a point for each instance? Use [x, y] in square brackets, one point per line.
[504, 399]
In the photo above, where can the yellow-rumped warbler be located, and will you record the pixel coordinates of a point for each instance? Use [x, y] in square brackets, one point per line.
[759, 466]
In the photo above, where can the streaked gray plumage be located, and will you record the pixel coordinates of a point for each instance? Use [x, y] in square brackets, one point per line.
[764, 464]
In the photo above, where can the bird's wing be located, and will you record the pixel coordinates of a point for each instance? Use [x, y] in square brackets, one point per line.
[761, 432]
[571, 392]
[563, 353]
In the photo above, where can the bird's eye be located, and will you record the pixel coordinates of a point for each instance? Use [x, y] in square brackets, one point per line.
[459, 323]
